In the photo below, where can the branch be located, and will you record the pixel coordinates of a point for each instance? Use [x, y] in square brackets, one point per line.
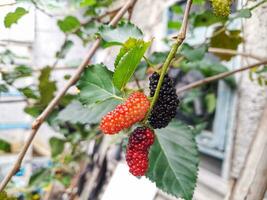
[233, 52]
[40, 119]
[178, 41]
[218, 76]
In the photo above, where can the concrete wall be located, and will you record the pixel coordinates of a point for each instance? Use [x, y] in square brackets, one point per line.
[252, 97]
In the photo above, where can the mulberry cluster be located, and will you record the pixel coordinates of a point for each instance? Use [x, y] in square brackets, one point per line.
[221, 7]
[137, 150]
[125, 115]
[164, 109]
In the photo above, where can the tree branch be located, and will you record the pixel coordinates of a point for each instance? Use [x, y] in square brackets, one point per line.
[37, 123]
[233, 52]
[178, 41]
[218, 76]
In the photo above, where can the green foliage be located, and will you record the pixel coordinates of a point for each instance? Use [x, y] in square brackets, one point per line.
[5, 146]
[225, 39]
[242, 13]
[57, 146]
[88, 3]
[64, 49]
[3, 88]
[46, 86]
[208, 68]
[193, 54]
[173, 160]
[29, 92]
[13, 17]
[120, 34]
[128, 60]
[207, 18]
[210, 100]
[41, 175]
[174, 25]
[75, 112]
[96, 85]
[19, 72]
[69, 24]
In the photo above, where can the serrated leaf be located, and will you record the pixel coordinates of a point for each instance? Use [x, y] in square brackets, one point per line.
[13, 17]
[226, 40]
[96, 85]
[5, 146]
[128, 62]
[173, 160]
[75, 112]
[207, 18]
[56, 145]
[46, 86]
[193, 53]
[120, 34]
[69, 24]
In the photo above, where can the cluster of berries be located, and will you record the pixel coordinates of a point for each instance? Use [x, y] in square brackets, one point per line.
[165, 108]
[137, 150]
[134, 110]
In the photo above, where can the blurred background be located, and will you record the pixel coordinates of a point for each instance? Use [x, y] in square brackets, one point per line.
[69, 155]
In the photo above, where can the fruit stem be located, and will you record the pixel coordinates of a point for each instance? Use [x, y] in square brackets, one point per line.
[179, 40]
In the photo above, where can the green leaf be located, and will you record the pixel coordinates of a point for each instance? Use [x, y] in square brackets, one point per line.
[39, 176]
[3, 88]
[173, 160]
[226, 40]
[208, 18]
[177, 9]
[174, 24]
[120, 34]
[5, 146]
[29, 93]
[127, 63]
[69, 24]
[210, 100]
[64, 49]
[75, 112]
[193, 53]
[88, 3]
[13, 17]
[96, 85]
[46, 87]
[57, 146]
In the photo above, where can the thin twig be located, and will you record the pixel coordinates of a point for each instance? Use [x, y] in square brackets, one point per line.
[233, 52]
[218, 76]
[40, 119]
[178, 41]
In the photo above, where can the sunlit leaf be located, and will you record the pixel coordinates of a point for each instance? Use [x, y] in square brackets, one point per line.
[13, 17]
[69, 24]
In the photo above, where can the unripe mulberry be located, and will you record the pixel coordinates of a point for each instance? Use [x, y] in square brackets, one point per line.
[126, 114]
[164, 109]
[137, 150]
[142, 138]
[221, 7]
